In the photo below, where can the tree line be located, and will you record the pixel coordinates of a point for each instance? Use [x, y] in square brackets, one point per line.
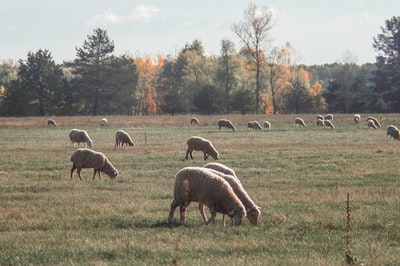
[257, 78]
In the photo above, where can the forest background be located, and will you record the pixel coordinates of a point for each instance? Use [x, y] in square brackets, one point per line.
[259, 77]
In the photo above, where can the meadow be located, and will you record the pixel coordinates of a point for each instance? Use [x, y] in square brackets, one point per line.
[300, 177]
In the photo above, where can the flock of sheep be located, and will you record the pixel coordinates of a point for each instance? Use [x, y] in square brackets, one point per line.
[214, 185]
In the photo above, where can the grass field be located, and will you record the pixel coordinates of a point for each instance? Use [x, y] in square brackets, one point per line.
[300, 178]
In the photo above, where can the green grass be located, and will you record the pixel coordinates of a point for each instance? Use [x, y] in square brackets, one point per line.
[300, 178]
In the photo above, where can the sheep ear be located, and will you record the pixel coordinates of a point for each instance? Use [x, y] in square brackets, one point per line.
[231, 213]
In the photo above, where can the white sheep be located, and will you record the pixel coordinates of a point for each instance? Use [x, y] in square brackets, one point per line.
[103, 121]
[226, 123]
[196, 143]
[299, 122]
[200, 185]
[194, 120]
[252, 210]
[320, 117]
[221, 168]
[376, 121]
[267, 125]
[86, 158]
[321, 122]
[371, 123]
[51, 122]
[393, 132]
[256, 125]
[329, 123]
[356, 118]
[329, 117]
[121, 138]
[78, 136]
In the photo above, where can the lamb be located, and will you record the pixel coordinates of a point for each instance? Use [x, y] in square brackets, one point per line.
[321, 122]
[393, 132]
[51, 122]
[328, 123]
[103, 121]
[356, 118]
[196, 143]
[78, 136]
[371, 123]
[376, 121]
[121, 138]
[329, 117]
[299, 122]
[226, 123]
[194, 120]
[267, 125]
[86, 158]
[201, 185]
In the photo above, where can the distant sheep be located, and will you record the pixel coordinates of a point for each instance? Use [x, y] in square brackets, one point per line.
[250, 125]
[85, 158]
[329, 117]
[320, 117]
[194, 120]
[393, 132]
[267, 125]
[226, 123]
[103, 121]
[376, 121]
[299, 122]
[195, 143]
[121, 138]
[200, 185]
[256, 125]
[356, 118]
[78, 136]
[51, 122]
[320, 122]
[329, 123]
[371, 123]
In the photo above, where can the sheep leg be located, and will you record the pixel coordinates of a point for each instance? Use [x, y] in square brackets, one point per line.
[187, 153]
[183, 212]
[205, 156]
[212, 218]
[73, 169]
[79, 173]
[174, 204]
[202, 213]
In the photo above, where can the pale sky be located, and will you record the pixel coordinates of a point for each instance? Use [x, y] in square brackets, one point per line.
[320, 31]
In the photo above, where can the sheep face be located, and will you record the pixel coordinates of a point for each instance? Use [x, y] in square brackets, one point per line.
[253, 215]
[236, 217]
[109, 170]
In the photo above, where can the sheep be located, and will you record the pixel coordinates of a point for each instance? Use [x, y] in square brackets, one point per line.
[320, 117]
[393, 132]
[371, 123]
[329, 117]
[226, 123]
[201, 185]
[299, 122]
[51, 122]
[78, 136]
[250, 125]
[194, 120]
[196, 143]
[376, 121]
[221, 168]
[86, 158]
[356, 118]
[328, 123]
[320, 122]
[256, 125]
[267, 125]
[103, 121]
[121, 138]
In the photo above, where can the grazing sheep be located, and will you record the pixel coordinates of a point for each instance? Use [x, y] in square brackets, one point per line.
[256, 125]
[299, 122]
[329, 117]
[320, 117]
[328, 123]
[103, 121]
[201, 144]
[78, 136]
[320, 122]
[356, 118]
[250, 125]
[252, 210]
[226, 123]
[194, 120]
[121, 138]
[51, 122]
[371, 123]
[267, 125]
[198, 184]
[221, 168]
[393, 132]
[376, 121]
[85, 158]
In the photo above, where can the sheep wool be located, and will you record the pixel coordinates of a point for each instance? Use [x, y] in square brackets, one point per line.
[267, 125]
[103, 121]
[78, 136]
[371, 123]
[86, 158]
[393, 132]
[376, 121]
[329, 123]
[196, 143]
[226, 123]
[221, 168]
[299, 122]
[194, 121]
[356, 118]
[320, 122]
[51, 122]
[200, 185]
[121, 138]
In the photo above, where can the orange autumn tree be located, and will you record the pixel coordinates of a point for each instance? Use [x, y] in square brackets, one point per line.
[318, 102]
[147, 69]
